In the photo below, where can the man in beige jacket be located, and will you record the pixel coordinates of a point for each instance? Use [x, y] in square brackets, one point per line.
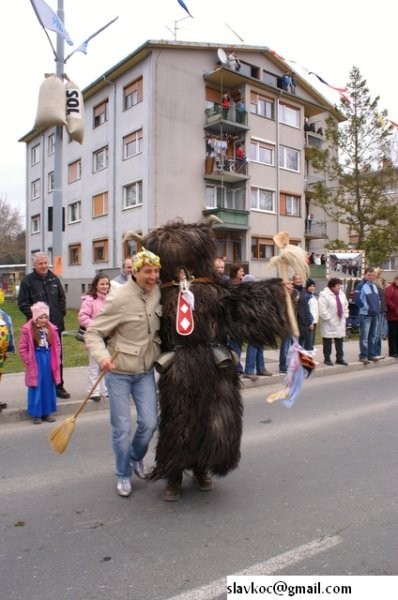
[130, 321]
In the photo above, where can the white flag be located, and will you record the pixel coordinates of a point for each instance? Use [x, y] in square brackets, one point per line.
[49, 20]
[83, 45]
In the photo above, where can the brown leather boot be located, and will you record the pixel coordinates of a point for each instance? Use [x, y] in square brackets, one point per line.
[203, 481]
[172, 491]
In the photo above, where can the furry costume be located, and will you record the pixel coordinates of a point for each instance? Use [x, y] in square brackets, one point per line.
[200, 403]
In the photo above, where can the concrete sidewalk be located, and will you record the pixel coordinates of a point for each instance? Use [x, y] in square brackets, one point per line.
[13, 390]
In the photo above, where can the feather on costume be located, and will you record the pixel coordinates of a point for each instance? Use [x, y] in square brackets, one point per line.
[201, 409]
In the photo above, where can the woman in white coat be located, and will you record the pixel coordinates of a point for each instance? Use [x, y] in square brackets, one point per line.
[333, 312]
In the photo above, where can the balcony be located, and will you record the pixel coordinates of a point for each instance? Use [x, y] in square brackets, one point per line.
[312, 140]
[315, 230]
[225, 169]
[231, 218]
[230, 120]
[310, 184]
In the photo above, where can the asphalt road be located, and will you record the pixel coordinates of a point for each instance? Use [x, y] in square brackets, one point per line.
[316, 493]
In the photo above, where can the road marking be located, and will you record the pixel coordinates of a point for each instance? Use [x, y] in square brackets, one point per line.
[268, 567]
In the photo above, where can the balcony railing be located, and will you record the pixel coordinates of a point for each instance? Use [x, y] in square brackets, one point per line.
[228, 169]
[217, 113]
[232, 217]
[315, 230]
[310, 183]
[313, 140]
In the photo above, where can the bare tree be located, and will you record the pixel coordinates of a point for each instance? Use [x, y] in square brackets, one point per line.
[12, 235]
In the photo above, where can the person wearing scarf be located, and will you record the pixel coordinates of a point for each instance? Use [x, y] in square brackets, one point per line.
[333, 312]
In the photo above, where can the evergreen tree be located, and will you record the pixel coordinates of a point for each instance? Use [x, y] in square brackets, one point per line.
[358, 172]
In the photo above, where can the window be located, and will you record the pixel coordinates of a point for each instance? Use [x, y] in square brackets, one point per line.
[261, 152]
[35, 189]
[100, 205]
[35, 155]
[100, 251]
[131, 247]
[289, 158]
[132, 94]
[51, 182]
[262, 248]
[132, 195]
[50, 218]
[51, 144]
[289, 115]
[230, 197]
[230, 246]
[35, 224]
[390, 264]
[100, 114]
[74, 212]
[75, 254]
[261, 199]
[74, 171]
[133, 144]
[211, 196]
[100, 159]
[290, 205]
[261, 105]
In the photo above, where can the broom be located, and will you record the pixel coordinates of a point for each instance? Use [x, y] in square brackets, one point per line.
[60, 435]
[296, 258]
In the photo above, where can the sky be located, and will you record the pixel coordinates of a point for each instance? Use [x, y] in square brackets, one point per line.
[327, 38]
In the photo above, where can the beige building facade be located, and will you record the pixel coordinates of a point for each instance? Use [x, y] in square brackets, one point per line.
[164, 133]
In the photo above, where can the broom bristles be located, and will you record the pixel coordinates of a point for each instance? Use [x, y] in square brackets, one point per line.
[60, 435]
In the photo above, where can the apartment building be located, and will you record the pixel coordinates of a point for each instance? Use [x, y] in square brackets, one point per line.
[164, 133]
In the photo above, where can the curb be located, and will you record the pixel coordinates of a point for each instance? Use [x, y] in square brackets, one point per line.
[69, 407]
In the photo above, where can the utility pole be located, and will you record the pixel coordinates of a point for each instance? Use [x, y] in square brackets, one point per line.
[58, 191]
[55, 22]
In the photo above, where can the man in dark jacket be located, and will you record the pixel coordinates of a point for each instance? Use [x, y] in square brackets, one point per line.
[305, 320]
[42, 285]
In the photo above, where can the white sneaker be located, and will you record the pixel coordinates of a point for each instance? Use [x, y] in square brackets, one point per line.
[139, 468]
[123, 487]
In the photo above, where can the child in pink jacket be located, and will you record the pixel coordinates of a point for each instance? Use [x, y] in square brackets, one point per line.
[90, 306]
[40, 350]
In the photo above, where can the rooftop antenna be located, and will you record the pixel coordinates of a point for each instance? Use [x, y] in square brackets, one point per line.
[234, 32]
[176, 28]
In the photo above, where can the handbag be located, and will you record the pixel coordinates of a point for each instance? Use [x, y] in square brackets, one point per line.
[80, 333]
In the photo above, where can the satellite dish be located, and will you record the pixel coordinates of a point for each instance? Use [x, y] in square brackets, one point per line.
[222, 56]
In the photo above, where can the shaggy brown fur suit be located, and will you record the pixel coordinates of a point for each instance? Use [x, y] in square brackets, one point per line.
[200, 404]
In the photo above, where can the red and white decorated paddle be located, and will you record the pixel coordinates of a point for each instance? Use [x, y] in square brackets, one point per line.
[185, 307]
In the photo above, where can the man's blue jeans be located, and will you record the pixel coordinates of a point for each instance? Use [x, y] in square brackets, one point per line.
[254, 360]
[142, 388]
[367, 336]
[237, 348]
[381, 333]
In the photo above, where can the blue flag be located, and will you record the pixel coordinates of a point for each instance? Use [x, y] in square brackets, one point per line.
[181, 3]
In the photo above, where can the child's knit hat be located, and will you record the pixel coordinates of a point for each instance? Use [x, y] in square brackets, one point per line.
[38, 309]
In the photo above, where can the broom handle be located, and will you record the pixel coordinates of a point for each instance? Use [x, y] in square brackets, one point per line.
[88, 395]
[290, 310]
